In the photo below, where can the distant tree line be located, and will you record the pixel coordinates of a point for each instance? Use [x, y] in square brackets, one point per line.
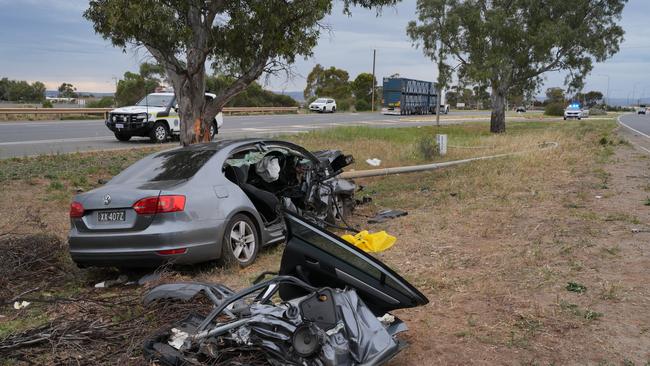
[21, 91]
[335, 83]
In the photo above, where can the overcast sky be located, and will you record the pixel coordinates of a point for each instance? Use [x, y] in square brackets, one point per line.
[48, 40]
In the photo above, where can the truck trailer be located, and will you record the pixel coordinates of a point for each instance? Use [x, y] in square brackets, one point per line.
[404, 96]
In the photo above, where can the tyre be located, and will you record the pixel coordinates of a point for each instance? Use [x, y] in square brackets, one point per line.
[579, 118]
[122, 136]
[214, 130]
[333, 109]
[241, 243]
[565, 118]
[159, 133]
[324, 110]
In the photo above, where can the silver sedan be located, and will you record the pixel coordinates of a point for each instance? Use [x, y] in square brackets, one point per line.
[219, 200]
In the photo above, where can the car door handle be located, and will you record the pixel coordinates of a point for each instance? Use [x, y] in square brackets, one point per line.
[311, 262]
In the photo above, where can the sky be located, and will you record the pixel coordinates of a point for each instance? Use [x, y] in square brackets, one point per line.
[49, 41]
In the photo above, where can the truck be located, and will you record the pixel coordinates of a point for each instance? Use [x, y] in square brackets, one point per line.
[155, 116]
[402, 96]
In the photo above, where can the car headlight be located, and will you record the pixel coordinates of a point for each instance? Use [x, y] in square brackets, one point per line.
[141, 116]
[114, 118]
[151, 116]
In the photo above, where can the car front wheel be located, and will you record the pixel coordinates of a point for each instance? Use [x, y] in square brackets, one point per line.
[240, 242]
[122, 136]
[159, 133]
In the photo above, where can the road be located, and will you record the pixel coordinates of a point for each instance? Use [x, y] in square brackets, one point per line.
[26, 138]
[639, 125]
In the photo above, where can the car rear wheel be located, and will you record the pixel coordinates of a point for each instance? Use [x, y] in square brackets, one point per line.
[159, 133]
[214, 130]
[333, 109]
[122, 137]
[240, 242]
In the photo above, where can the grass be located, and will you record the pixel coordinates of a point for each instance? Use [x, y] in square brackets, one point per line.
[493, 244]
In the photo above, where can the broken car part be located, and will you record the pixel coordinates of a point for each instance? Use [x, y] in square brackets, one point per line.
[328, 306]
[386, 215]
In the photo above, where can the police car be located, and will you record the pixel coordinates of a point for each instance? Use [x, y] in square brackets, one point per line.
[575, 111]
[155, 116]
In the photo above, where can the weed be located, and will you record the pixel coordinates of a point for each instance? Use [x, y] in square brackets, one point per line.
[427, 147]
[647, 202]
[576, 287]
[574, 309]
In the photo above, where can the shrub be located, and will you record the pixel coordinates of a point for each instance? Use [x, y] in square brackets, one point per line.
[554, 109]
[47, 104]
[596, 112]
[427, 147]
[104, 102]
[362, 105]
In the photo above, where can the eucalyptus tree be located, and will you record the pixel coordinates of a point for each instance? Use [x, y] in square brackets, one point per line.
[510, 44]
[242, 39]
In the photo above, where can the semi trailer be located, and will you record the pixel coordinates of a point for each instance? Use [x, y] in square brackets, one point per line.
[404, 96]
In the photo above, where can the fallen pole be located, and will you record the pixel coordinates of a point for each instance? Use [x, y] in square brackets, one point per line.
[434, 166]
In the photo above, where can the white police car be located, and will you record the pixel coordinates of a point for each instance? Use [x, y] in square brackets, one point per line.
[155, 116]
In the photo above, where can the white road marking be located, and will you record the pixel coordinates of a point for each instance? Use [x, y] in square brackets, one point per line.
[633, 129]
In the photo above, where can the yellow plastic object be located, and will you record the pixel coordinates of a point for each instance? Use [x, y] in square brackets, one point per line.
[371, 243]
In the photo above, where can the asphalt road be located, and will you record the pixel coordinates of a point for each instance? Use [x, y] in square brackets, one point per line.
[639, 123]
[26, 138]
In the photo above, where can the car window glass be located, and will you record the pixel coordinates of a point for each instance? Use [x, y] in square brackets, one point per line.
[168, 165]
[320, 100]
[330, 101]
[341, 250]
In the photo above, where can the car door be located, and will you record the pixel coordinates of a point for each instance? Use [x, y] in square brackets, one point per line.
[323, 259]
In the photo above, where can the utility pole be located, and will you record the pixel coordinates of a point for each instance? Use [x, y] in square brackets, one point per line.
[374, 56]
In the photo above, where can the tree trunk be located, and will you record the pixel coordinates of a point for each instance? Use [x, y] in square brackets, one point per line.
[190, 94]
[498, 116]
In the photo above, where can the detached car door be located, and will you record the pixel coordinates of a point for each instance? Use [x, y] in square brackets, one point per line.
[323, 259]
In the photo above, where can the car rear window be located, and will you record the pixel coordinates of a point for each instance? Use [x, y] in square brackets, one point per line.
[170, 165]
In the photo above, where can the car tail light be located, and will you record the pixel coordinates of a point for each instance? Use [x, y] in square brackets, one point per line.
[172, 251]
[76, 210]
[159, 204]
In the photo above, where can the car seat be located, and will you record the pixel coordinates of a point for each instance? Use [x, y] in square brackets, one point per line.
[265, 202]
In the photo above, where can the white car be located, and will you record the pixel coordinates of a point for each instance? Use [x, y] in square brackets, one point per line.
[573, 111]
[155, 116]
[323, 105]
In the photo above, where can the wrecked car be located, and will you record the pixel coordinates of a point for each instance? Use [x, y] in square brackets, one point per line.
[218, 200]
[328, 305]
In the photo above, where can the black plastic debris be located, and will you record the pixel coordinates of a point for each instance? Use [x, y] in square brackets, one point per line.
[385, 215]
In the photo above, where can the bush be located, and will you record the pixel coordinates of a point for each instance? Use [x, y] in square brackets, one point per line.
[47, 104]
[554, 109]
[427, 147]
[104, 102]
[596, 112]
[362, 105]
[343, 104]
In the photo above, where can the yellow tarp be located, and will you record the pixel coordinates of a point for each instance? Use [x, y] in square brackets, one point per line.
[371, 243]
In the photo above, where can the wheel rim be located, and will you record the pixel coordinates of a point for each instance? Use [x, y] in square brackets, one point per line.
[211, 131]
[242, 241]
[160, 133]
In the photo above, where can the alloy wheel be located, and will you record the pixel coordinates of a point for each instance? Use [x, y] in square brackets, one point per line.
[242, 241]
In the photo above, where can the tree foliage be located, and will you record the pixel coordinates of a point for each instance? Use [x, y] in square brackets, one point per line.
[133, 87]
[511, 44]
[555, 95]
[253, 96]
[240, 38]
[362, 87]
[21, 91]
[67, 90]
[330, 82]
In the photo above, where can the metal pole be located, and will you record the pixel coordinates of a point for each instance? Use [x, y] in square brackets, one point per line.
[374, 56]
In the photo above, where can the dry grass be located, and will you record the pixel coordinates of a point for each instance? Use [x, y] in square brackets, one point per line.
[493, 244]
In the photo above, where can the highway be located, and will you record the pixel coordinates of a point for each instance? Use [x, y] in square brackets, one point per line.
[639, 126]
[27, 138]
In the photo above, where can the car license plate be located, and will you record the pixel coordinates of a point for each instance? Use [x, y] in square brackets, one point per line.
[119, 125]
[110, 216]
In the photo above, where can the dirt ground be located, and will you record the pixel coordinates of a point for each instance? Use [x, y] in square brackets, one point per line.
[539, 259]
